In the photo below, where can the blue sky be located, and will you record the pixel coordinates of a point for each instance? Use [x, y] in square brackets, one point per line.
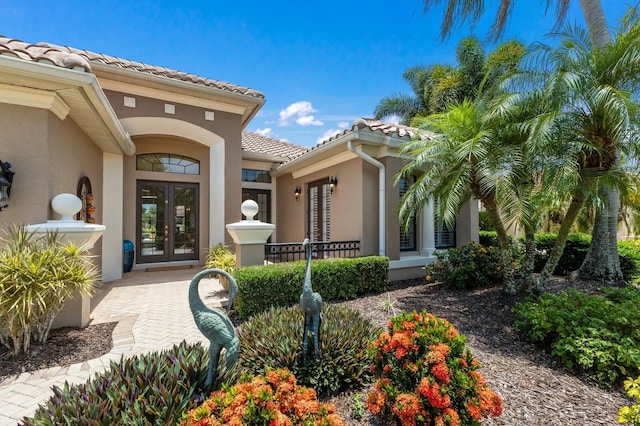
[321, 65]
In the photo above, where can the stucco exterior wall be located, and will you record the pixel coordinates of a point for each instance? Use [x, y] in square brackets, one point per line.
[346, 205]
[225, 125]
[49, 156]
[24, 144]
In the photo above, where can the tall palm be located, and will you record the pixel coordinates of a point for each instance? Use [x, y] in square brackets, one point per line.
[590, 89]
[438, 85]
[604, 235]
[457, 159]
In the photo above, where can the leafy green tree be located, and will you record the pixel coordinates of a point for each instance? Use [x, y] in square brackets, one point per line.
[458, 158]
[604, 234]
[436, 86]
[589, 91]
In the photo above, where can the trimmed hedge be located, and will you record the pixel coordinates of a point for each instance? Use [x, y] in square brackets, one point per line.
[279, 285]
[575, 252]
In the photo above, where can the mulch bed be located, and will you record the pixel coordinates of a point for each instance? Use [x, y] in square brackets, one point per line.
[535, 387]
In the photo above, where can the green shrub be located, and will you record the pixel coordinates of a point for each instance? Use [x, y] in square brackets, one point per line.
[488, 238]
[427, 376]
[273, 339]
[275, 399]
[483, 221]
[469, 266]
[598, 334]
[220, 257]
[150, 389]
[629, 251]
[264, 286]
[572, 257]
[38, 274]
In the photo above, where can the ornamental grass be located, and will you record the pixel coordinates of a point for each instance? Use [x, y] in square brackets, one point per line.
[427, 376]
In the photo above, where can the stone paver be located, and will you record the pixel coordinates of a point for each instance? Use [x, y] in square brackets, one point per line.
[152, 311]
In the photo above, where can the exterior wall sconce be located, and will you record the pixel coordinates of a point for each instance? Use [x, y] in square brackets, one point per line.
[6, 177]
[333, 182]
[297, 192]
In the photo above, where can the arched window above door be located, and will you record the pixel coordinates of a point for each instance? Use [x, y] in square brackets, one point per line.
[167, 163]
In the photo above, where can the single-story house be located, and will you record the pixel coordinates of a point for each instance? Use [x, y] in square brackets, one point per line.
[168, 161]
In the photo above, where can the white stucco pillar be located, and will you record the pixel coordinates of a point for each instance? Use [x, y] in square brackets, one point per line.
[216, 194]
[428, 230]
[250, 236]
[112, 215]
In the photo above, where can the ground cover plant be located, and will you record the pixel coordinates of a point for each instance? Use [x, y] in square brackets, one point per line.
[272, 399]
[631, 413]
[273, 339]
[427, 376]
[598, 334]
[150, 389]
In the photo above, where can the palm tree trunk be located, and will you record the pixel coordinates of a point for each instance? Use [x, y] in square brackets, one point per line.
[602, 261]
[596, 21]
[529, 259]
[558, 248]
[503, 241]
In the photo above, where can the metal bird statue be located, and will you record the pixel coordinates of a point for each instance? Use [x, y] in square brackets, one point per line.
[311, 304]
[215, 325]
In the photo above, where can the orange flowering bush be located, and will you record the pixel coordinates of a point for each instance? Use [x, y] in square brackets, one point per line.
[271, 400]
[427, 376]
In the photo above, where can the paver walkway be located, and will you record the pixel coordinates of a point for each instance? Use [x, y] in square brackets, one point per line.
[152, 311]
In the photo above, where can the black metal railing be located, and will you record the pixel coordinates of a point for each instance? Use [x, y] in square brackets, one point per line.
[288, 252]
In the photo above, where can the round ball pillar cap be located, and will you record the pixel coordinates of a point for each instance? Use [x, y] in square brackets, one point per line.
[249, 208]
[66, 205]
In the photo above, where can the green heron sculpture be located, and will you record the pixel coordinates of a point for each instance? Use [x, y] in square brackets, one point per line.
[311, 304]
[215, 325]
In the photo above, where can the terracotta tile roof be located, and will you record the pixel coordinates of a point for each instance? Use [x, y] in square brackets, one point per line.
[374, 125]
[253, 142]
[68, 57]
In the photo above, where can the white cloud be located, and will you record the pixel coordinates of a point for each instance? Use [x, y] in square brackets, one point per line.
[309, 120]
[267, 131]
[328, 134]
[344, 124]
[303, 111]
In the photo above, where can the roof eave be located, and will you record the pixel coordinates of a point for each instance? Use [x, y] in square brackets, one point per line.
[250, 104]
[88, 105]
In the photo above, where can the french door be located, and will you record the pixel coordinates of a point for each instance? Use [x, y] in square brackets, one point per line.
[167, 218]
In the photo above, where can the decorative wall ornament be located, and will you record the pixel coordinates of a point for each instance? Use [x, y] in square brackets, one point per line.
[86, 196]
[6, 179]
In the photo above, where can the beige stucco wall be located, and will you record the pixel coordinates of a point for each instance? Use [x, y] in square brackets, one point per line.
[49, 156]
[346, 204]
[227, 126]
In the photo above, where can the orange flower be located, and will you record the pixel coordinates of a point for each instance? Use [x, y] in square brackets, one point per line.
[401, 352]
[406, 408]
[474, 411]
[463, 363]
[386, 369]
[408, 325]
[452, 416]
[441, 372]
[375, 401]
[442, 348]
[490, 402]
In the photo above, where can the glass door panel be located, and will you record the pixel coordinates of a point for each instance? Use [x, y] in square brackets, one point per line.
[167, 215]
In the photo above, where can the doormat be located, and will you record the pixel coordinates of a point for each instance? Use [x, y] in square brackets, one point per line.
[168, 268]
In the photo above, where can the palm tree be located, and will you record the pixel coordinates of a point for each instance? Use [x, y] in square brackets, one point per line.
[436, 86]
[604, 234]
[458, 158]
[587, 91]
